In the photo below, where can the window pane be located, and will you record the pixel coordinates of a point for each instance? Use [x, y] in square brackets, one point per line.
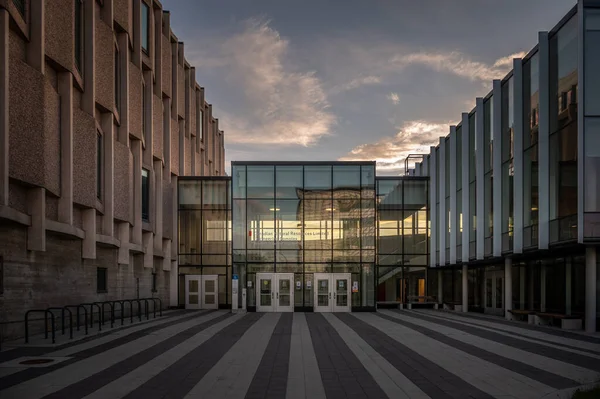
[289, 181]
[145, 28]
[78, 34]
[145, 196]
[117, 82]
[317, 177]
[592, 165]
[239, 181]
[592, 77]
[346, 177]
[260, 181]
[99, 167]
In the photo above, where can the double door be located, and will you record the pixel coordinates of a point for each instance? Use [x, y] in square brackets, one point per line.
[201, 292]
[332, 292]
[275, 292]
[494, 292]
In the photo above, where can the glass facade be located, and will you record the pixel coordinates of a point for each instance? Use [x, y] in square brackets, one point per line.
[508, 171]
[531, 103]
[488, 180]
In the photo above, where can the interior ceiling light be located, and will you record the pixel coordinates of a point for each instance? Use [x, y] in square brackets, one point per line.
[330, 209]
[274, 209]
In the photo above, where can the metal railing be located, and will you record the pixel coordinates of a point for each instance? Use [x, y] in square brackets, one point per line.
[102, 310]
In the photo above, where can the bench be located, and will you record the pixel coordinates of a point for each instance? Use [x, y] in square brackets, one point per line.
[520, 314]
[567, 322]
[421, 301]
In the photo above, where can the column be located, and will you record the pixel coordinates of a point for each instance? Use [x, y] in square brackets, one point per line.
[123, 252]
[4, 99]
[88, 246]
[479, 179]
[173, 275]
[590, 289]
[544, 142]
[65, 202]
[433, 185]
[497, 167]
[158, 19]
[543, 287]
[123, 129]
[442, 217]
[136, 33]
[108, 129]
[454, 230]
[136, 149]
[149, 114]
[465, 288]
[568, 286]
[507, 288]
[158, 207]
[518, 156]
[466, 151]
[167, 137]
[531, 285]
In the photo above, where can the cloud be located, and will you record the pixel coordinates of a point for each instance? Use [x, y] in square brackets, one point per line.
[277, 104]
[413, 137]
[458, 63]
[394, 98]
[355, 83]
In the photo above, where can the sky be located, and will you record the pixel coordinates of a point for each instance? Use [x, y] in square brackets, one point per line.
[319, 80]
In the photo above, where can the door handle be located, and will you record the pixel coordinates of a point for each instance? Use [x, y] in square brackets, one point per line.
[278, 295]
[272, 295]
[334, 295]
[330, 295]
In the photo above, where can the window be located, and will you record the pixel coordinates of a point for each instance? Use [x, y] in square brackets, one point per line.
[20, 6]
[200, 124]
[154, 282]
[145, 27]
[117, 73]
[101, 279]
[79, 35]
[99, 163]
[145, 196]
[145, 112]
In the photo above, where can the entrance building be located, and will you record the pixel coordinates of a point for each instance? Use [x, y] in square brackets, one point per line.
[274, 292]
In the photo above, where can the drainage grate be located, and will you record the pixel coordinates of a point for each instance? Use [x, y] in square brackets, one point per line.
[36, 361]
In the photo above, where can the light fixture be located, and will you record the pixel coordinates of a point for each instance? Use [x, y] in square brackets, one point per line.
[534, 208]
[274, 209]
[330, 209]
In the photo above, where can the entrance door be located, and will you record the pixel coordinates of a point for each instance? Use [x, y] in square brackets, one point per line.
[332, 293]
[494, 292]
[201, 292]
[192, 291]
[275, 293]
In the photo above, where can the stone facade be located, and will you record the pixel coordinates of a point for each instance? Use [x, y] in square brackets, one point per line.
[79, 120]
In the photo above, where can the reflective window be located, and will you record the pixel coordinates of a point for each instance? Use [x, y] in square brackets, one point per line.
[78, 35]
[289, 181]
[145, 195]
[317, 177]
[145, 28]
[260, 181]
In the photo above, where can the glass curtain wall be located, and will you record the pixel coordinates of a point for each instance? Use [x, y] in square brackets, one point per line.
[472, 188]
[204, 214]
[448, 214]
[531, 103]
[563, 132]
[437, 204]
[305, 219]
[507, 144]
[488, 152]
[403, 239]
[458, 222]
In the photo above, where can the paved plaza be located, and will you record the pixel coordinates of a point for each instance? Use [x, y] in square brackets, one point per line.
[388, 354]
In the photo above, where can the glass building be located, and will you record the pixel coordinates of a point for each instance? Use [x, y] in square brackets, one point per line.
[286, 236]
[529, 154]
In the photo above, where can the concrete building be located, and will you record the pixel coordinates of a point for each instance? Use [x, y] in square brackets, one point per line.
[100, 112]
[514, 194]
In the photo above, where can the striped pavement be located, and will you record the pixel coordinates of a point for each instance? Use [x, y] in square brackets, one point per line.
[388, 354]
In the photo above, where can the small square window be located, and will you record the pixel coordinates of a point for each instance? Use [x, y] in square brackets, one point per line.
[101, 279]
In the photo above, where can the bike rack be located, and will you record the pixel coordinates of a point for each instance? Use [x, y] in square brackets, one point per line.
[153, 304]
[62, 311]
[78, 319]
[122, 309]
[91, 305]
[46, 312]
[112, 312]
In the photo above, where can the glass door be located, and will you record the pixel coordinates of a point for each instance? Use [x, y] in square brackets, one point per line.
[265, 294]
[494, 292]
[322, 292]
[341, 292]
[210, 292]
[192, 292]
[285, 294]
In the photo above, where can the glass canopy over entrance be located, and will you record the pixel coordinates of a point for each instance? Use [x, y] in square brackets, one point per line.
[305, 236]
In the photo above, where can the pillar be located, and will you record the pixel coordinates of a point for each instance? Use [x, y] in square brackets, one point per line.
[543, 287]
[88, 246]
[508, 288]
[497, 167]
[590, 289]
[522, 288]
[568, 286]
[530, 284]
[88, 98]
[36, 232]
[108, 129]
[465, 288]
[65, 202]
[440, 287]
[544, 141]
[479, 179]
[4, 99]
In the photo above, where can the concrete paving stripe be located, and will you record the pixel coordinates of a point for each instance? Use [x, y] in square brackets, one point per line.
[88, 351]
[106, 376]
[572, 356]
[231, 376]
[429, 377]
[270, 381]
[481, 374]
[563, 337]
[110, 337]
[52, 381]
[558, 375]
[134, 379]
[343, 375]
[304, 378]
[392, 381]
[179, 378]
